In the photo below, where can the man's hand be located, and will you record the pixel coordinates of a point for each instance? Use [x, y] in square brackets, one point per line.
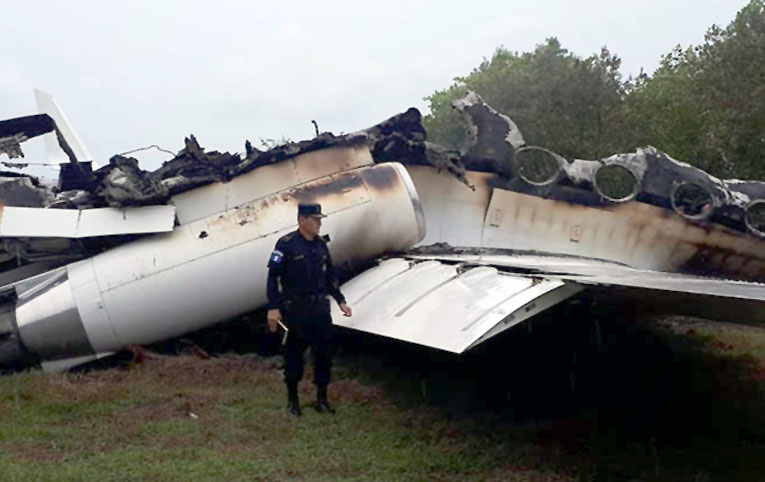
[345, 309]
[273, 318]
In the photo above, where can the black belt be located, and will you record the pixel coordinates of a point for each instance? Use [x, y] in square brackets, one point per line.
[308, 298]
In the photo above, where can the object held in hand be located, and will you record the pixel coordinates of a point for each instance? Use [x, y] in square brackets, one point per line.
[286, 331]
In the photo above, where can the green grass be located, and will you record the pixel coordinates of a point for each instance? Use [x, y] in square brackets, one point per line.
[223, 419]
[184, 418]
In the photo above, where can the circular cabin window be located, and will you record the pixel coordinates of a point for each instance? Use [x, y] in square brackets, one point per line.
[692, 201]
[755, 217]
[538, 166]
[616, 183]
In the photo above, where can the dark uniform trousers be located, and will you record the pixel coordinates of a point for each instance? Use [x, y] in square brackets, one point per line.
[301, 277]
[312, 330]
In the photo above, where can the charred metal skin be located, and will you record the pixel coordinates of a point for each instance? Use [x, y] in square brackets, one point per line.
[519, 229]
[502, 196]
[15, 131]
[676, 218]
[212, 266]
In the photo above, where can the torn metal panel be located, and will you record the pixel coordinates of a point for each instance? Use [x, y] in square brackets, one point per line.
[11, 146]
[15, 131]
[193, 167]
[138, 293]
[135, 272]
[23, 191]
[402, 139]
[48, 250]
[232, 208]
[78, 176]
[444, 306]
[486, 127]
[643, 209]
[635, 234]
[122, 183]
[75, 199]
[66, 223]
[267, 180]
[658, 179]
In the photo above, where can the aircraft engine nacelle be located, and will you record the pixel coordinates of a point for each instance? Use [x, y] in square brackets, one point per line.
[214, 267]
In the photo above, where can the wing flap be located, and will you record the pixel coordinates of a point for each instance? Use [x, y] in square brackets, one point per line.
[598, 272]
[445, 306]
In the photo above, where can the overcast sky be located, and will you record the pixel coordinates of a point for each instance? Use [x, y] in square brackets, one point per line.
[134, 73]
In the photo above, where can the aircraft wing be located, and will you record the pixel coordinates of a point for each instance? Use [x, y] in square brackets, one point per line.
[451, 307]
[455, 301]
[603, 273]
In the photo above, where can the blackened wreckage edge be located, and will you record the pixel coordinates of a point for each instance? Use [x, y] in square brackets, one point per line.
[402, 138]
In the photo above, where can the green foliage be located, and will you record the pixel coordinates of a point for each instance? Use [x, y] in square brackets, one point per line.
[537, 165]
[704, 104]
[567, 104]
[616, 182]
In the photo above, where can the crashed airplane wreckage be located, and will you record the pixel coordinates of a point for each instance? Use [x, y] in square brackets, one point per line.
[482, 240]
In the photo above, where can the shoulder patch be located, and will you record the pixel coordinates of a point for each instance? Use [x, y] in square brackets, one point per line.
[276, 258]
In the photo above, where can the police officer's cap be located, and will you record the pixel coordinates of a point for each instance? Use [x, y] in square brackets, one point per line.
[312, 209]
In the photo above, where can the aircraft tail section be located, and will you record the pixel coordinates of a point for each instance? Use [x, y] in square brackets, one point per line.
[47, 105]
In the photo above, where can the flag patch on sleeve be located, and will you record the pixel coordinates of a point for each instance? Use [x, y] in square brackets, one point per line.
[276, 258]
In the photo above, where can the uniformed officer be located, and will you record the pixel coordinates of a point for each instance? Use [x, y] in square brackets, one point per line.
[300, 276]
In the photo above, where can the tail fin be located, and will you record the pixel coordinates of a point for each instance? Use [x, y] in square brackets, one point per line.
[47, 105]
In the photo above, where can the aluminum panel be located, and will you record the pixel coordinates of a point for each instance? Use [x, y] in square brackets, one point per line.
[441, 305]
[598, 272]
[48, 320]
[90, 306]
[454, 213]
[39, 222]
[264, 181]
[215, 268]
[46, 104]
[635, 234]
[70, 223]
[139, 220]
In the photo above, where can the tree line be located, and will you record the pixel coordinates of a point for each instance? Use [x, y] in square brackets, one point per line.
[704, 105]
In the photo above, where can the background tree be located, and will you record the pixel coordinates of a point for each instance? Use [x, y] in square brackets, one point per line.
[704, 105]
[558, 100]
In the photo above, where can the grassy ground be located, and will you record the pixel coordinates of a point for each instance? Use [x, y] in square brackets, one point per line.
[668, 399]
[223, 419]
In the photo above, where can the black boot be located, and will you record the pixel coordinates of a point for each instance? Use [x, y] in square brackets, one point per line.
[322, 405]
[293, 403]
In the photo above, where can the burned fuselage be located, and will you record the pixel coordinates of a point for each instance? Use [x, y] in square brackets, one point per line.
[386, 189]
[643, 210]
[212, 265]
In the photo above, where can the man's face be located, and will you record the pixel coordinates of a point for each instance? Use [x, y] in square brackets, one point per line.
[310, 224]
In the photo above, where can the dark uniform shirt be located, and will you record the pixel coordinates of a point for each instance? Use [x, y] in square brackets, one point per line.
[301, 275]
